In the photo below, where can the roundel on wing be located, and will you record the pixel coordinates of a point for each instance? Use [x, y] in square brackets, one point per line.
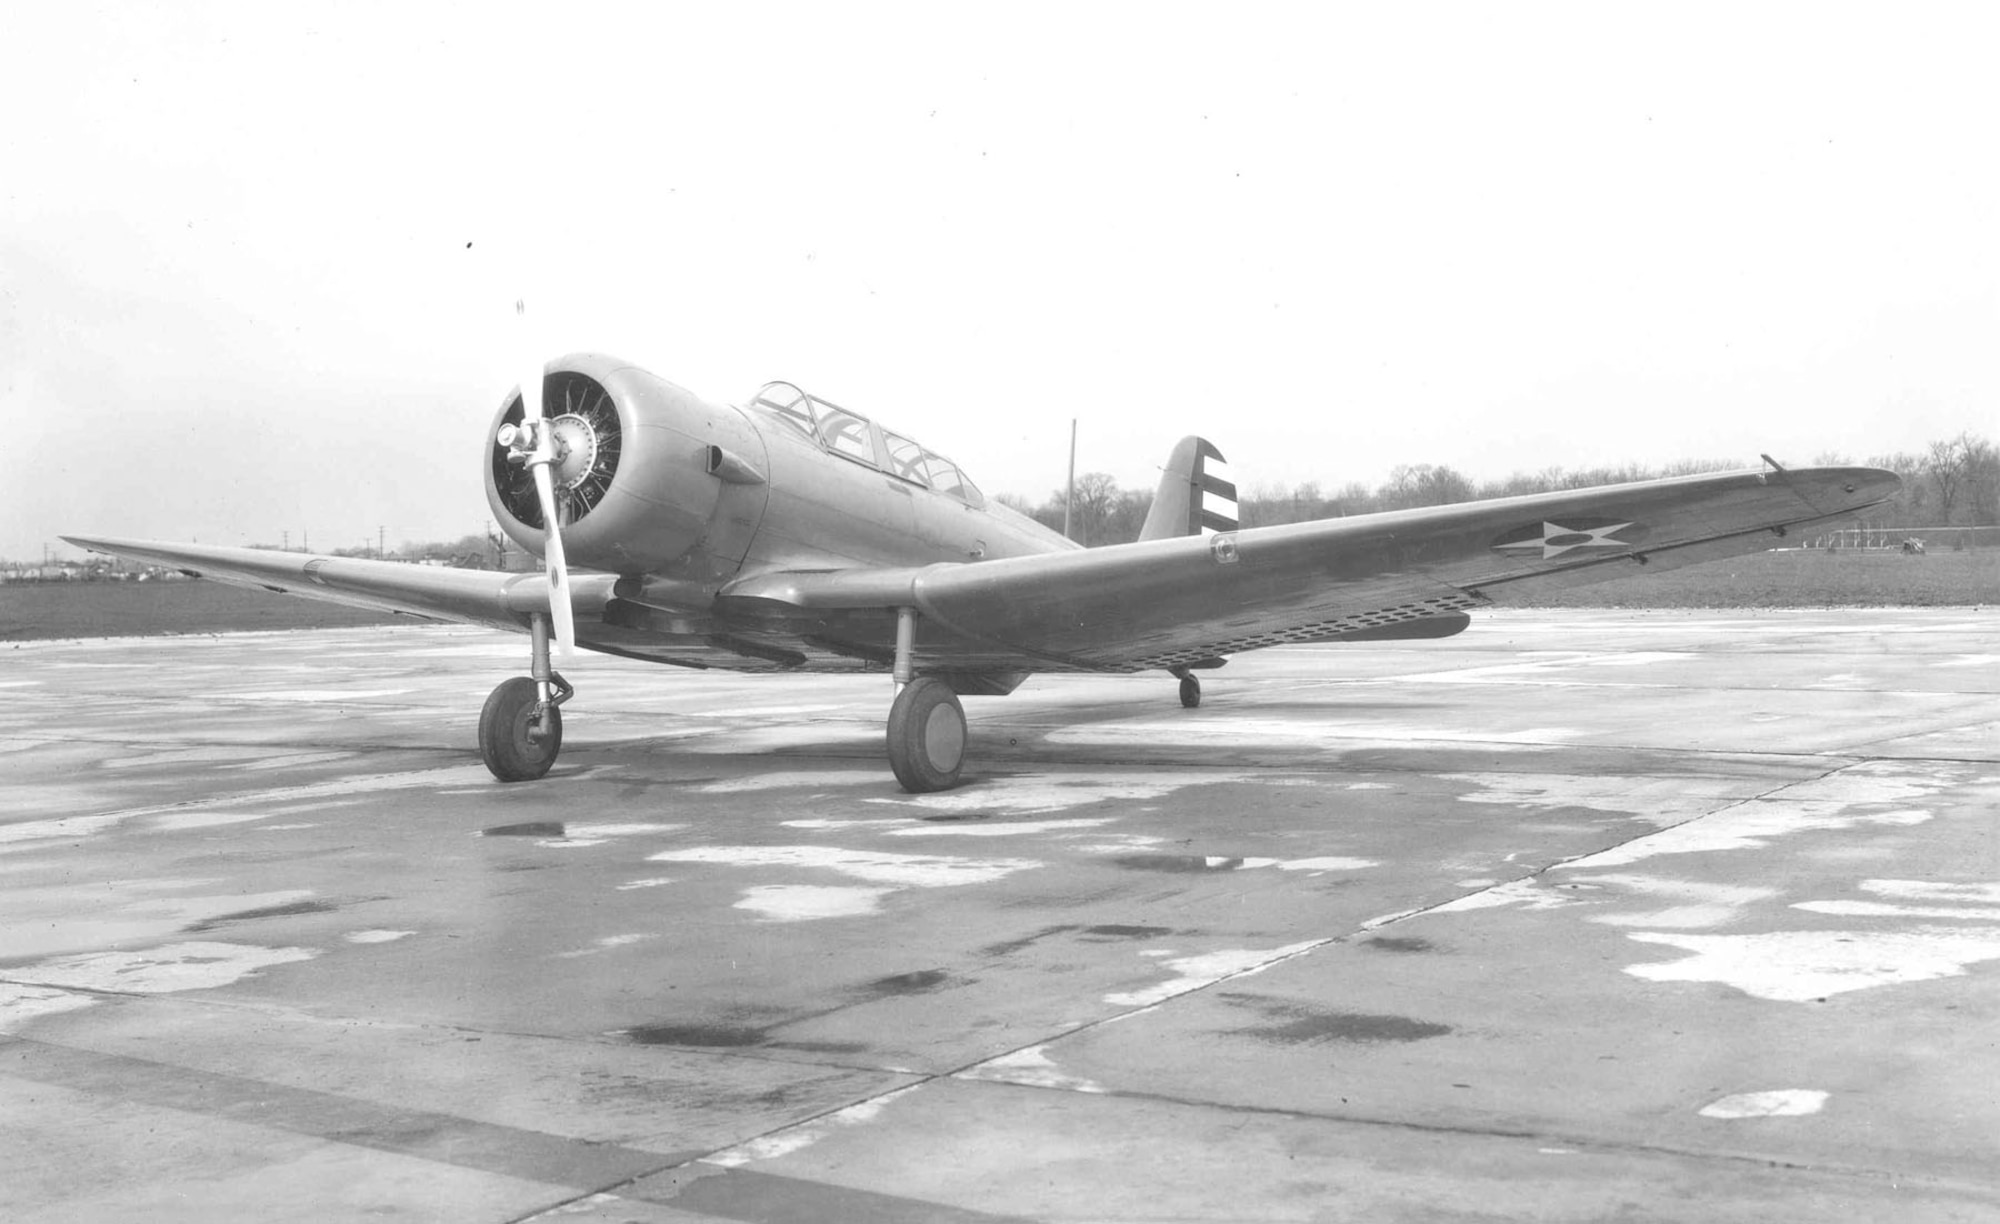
[1550, 538]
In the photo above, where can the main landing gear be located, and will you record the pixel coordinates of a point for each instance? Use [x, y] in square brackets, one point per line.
[926, 721]
[1190, 686]
[926, 736]
[520, 728]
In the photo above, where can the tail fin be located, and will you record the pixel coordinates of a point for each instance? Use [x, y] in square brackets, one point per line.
[1195, 495]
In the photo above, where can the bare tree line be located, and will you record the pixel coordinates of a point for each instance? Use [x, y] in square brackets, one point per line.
[1953, 482]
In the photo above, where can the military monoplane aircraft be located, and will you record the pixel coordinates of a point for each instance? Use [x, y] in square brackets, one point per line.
[788, 534]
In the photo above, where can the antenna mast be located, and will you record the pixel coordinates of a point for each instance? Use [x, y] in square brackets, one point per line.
[1069, 490]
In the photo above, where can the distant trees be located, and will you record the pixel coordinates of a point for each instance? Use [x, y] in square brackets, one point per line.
[1423, 485]
[476, 551]
[1101, 512]
[1952, 483]
[1957, 467]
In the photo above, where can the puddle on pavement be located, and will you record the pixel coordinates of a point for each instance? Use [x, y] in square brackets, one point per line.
[77, 919]
[821, 1047]
[1010, 946]
[1177, 862]
[1398, 943]
[533, 828]
[1300, 1025]
[908, 983]
[268, 911]
[706, 1036]
[1096, 934]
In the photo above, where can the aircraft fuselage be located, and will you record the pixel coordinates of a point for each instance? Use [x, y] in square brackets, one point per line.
[658, 482]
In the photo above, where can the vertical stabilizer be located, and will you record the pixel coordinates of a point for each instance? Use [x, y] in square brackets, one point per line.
[1195, 496]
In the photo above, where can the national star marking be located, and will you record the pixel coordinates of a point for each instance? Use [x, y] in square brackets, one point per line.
[1557, 539]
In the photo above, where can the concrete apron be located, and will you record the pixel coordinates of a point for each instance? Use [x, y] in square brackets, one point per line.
[1675, 916]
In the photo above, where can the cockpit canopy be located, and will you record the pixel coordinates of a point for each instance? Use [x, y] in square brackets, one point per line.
[854, 437]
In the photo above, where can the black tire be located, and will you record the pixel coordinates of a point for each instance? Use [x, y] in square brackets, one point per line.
[503, 733]
[927, 736]
[1190, 691]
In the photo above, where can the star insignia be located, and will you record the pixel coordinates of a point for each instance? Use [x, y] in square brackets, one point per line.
[1557, 539]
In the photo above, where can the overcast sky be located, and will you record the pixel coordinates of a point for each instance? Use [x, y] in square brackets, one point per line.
[257, 267]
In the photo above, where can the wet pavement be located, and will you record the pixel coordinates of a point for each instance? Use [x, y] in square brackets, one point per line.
[1577, 916]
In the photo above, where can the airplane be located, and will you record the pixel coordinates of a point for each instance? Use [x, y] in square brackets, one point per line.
[789, 534]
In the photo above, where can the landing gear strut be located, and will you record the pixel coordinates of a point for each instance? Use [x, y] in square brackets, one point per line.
[520, 728]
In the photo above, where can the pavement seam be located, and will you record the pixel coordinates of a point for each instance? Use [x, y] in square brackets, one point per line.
[1582, 1144]
[544, 1157]
[1846, 763]
[925, 1079]
[1376, 924]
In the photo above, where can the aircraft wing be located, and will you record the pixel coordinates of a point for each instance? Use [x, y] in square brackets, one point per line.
[1412, 573]
[476, 597]
[1155, 604]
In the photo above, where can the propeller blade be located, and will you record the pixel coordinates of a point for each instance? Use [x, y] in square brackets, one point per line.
[560, 612]
[531, 383]
[561, 615]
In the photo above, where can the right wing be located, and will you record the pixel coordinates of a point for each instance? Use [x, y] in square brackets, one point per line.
[1411, 573]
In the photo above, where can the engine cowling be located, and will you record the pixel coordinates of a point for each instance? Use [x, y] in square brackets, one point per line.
[633, 489]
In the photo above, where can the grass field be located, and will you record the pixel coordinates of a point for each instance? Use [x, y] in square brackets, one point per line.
[30, 610]
[1792, 579]
[1800, 578]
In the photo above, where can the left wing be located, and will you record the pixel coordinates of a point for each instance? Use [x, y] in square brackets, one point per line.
[475, 597]
[1186, 601]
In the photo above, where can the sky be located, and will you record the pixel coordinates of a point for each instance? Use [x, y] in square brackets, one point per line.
[258, 267]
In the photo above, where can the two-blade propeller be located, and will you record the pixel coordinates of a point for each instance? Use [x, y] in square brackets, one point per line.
[535, 442]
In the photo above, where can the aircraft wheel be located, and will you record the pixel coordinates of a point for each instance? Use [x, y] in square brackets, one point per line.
[503, 733]
[1190, 691]
[926, 736]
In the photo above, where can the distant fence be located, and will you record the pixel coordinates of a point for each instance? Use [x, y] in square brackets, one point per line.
[1892, 538]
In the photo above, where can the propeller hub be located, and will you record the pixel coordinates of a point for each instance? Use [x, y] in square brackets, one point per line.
[578, 444]
[575, 446]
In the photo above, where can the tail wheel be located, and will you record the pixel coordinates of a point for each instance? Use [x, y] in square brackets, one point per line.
[1190, 691]
[926, 736]
[511, 753]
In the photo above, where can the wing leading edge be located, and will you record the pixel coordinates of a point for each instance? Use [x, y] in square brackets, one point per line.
[476, 597]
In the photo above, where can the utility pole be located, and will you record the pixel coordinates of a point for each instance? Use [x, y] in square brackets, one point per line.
[286, 541]
[380, 534]
[1069, 490]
